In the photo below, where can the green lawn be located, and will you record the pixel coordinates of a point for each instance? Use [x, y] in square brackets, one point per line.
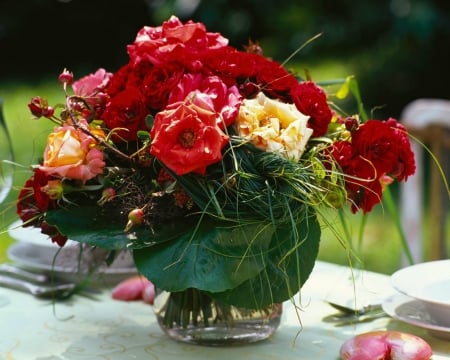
[380, 250]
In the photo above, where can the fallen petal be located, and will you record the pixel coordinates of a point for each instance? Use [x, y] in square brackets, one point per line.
[385, 345]
[131, 289]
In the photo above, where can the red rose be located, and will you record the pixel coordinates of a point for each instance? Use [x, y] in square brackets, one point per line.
[269, 76]
[377, 149]
[32, 203]
[157, 83]
[406, 165]
[175, 42]
[126, 110]
[386, 146]
[311, 100]
[118, 81]
[186, 138]
[274, 80]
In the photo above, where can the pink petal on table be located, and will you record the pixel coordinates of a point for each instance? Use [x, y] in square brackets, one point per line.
[131, 289]
[385, 345]
[148, 294]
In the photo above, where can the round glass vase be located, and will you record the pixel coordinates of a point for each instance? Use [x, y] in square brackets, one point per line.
[191, 316]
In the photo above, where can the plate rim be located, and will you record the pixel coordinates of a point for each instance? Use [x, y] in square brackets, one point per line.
[58, 269]
[392, 303]
[397, 284]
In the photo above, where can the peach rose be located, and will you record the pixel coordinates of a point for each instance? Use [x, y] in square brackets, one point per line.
[70, 153]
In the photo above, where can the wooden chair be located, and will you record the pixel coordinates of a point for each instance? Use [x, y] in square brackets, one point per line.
[429, 121]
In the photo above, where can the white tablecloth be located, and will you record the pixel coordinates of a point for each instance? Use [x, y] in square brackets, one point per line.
[102, 328]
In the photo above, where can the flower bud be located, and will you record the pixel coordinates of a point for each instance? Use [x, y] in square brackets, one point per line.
[39, 108]
[135, 217]
[54, 189]
[351, 124]
[66, 77]
[107, 195]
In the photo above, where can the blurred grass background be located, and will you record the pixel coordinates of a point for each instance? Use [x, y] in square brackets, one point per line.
[396, 48]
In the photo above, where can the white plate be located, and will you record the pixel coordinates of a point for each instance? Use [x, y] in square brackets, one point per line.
[428, 281]
[414, 312]
[63, 268]
[35, 251]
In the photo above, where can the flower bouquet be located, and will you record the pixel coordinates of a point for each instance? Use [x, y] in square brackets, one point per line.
[210, 163]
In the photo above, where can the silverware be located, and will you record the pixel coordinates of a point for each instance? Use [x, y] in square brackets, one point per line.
[22, 274]
[350, 316]
[350, 310]
[57, 291]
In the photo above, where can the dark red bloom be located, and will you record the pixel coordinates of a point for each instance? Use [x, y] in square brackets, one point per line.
[377, 148]
[234, 66]
[311, 100]
[157, 84]
[126, 110]
[385, 144]
[32, 203]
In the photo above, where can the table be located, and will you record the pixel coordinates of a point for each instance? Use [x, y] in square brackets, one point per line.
[102, 328]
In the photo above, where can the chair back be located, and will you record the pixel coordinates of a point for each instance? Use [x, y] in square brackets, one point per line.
[428, 120]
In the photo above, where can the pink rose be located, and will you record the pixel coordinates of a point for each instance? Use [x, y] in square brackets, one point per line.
[91, 84]
[209, 93]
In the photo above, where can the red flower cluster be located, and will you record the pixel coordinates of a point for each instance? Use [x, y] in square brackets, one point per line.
[377, 149]
[182, 96]
[169, 62]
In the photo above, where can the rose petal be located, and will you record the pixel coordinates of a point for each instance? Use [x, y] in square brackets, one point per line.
[148, 294]
[131, 289]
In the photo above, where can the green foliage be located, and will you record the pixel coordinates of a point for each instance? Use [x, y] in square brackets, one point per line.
[277, 261]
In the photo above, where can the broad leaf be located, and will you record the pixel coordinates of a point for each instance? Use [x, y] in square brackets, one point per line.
[289, 264]
[211, 258]
[85, 224]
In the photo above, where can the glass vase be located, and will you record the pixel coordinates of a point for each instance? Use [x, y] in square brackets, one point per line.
[191, 316]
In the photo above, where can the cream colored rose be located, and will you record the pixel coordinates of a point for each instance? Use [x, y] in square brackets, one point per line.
[274, 126]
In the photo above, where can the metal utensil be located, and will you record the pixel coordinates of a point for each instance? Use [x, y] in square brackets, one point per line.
[17, 272]
[56, 291]
[350, 316]
[350, 310]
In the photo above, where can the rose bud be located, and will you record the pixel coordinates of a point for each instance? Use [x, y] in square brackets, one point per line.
[66, 77]
[351, 124]
[107, 195]
[54, 189]
[39, 108]
[135, 217]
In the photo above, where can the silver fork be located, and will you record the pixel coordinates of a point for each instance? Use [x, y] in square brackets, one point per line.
[57, 291]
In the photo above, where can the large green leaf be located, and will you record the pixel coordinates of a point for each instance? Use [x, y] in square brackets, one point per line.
[86, 225]
[289, 264]
[211, 258]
